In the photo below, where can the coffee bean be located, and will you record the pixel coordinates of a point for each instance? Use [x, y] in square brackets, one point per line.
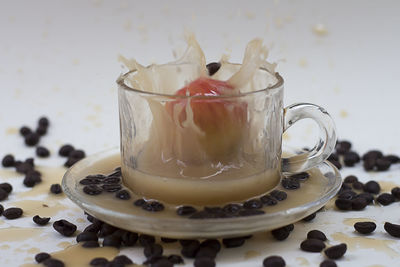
[344, 187]
[129, 239]
[40, 220]
[211, 243]
[77, 154]
[336, 163]
[310, 217]
[146, 240]
[86, 236]
[382, 164]
[334, 157]
[253, 204]
[232, 208]
[302, 176]
[161, 262]
[204, 262]
[359, 203]
[32, 178]
[190, 250]
[42, 256]
[249, 212]
[372, 154]
[342, 147]
[372, 187]
[312, 245]
[112, 241]
[316, 234]
[112, 180]
[351, 158]
[24, 131]
[233, 242]
[12, 213]
[385, 199]
[3, 194]
[153, 206]
[153, 250]
[336, 252]
[111, 188]
[91, 244]
[328, 263]
[348, 194]
[392, 158]
[268, 200]
[106, 230]
[92, 190]
[64, 227]
[290, 183]
[32, 139]
[44, 122]
[56, 189]
[24, 168]
[1, 209]
[70, 162]
[186, 210]
[139, 202]
[350, 179]
[168, 240]
[123, 259]
[282, 233]
[279, 195]
[369, 164]
[175, 259]
[365, 227]
[98, 262]
[343, 204]
[392, 229]
[274, 261]
[93, 228]
[396, 192]
[205, 252]
[213, 67]
[357, 185]
[42, 152]
[8, 161]
[89, 181]
[40, 130]
[53, 263]
[367, 196]
[65, 150]
[123, 194]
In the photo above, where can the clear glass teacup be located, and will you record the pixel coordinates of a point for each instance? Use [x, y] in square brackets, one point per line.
[227, 148]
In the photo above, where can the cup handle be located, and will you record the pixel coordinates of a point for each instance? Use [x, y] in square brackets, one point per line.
[326, 141]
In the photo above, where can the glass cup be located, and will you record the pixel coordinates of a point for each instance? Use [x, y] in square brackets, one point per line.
[209, 150]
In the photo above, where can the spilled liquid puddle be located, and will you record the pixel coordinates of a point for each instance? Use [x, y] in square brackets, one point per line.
[38, 207]
[302, 261]
[387, 186]
[361, 242]
[6, 174]
[13, 234]
[251, 254]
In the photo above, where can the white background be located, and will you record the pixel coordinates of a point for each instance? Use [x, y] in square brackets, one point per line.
[59, 59]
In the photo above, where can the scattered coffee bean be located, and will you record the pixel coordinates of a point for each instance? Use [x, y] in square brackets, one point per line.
[187, 242]
[40, 220]
[365, 227]
[168, 240]
[253, 204]
[282, 233]
[153, 206]
[328, 263]
[396, 192]
[205, 252]
[290, 183]
[94, 228]
[312, 245]
[106, 230]
[316, 234]
[274, 261]
[111, 188]
[369, 164]
[175, 259]
[162, 262]
[53, 263]
[112, 180]
[139, 202]
[8, 161]
[213, 67]
[42, 256]
[1, 209]
[343, 204]
[40, 130]
[91, 244]
[211, 243]
[32, 139]
[357, 185]
[146, 240]
[249, 212]
[122, 259]
[98, 262]
[382, 164]
[90, 181]
[153, 250]
[77, 154]
[123, 194]
[336, 163]
[56, 189]
[392, 158]
[42, 152]
[24, 131]
[64, 227]
[233, 242]
[359, 203]
[279, 195]
[43, 122]
[342, 147]
[12, 213]
[231, 209]
[129, 239]
[86, 236]
[372, 187]
[186, 210]
[65, 150]
[204, 262]
[310, 217]
[3, 194]
[190, 249]
[372, 154]
[367, 196]
[92, 190]
[348, 194]
[336, 252]
[392, 229]
[350, 179]
[351, 158]
[112, 241]
[23, 167]
[385, 199]
[70, 162]
[334, 157]
[268, 200]
[344, 187]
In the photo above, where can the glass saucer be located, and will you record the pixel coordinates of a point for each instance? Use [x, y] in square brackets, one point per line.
[323, 184]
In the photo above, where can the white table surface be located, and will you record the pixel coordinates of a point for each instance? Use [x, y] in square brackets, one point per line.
[59, 59]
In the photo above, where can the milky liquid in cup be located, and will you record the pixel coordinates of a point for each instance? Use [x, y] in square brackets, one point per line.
[180, 163]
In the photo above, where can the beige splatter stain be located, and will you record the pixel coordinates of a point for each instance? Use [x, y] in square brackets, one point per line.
[64, 244]
[387, 186]
[251, 254]
[11, 131]
[128, 25]
[343, 114]
[303, 62]
[7, 174]
[320, 29]
[250, 15]
[356, 242]
[39, 207]
[352, 221]
[80, 220]
[33, 250]
[76, 61]
[4, 247]
[302, 261]
[13, 234]
[286, 137]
